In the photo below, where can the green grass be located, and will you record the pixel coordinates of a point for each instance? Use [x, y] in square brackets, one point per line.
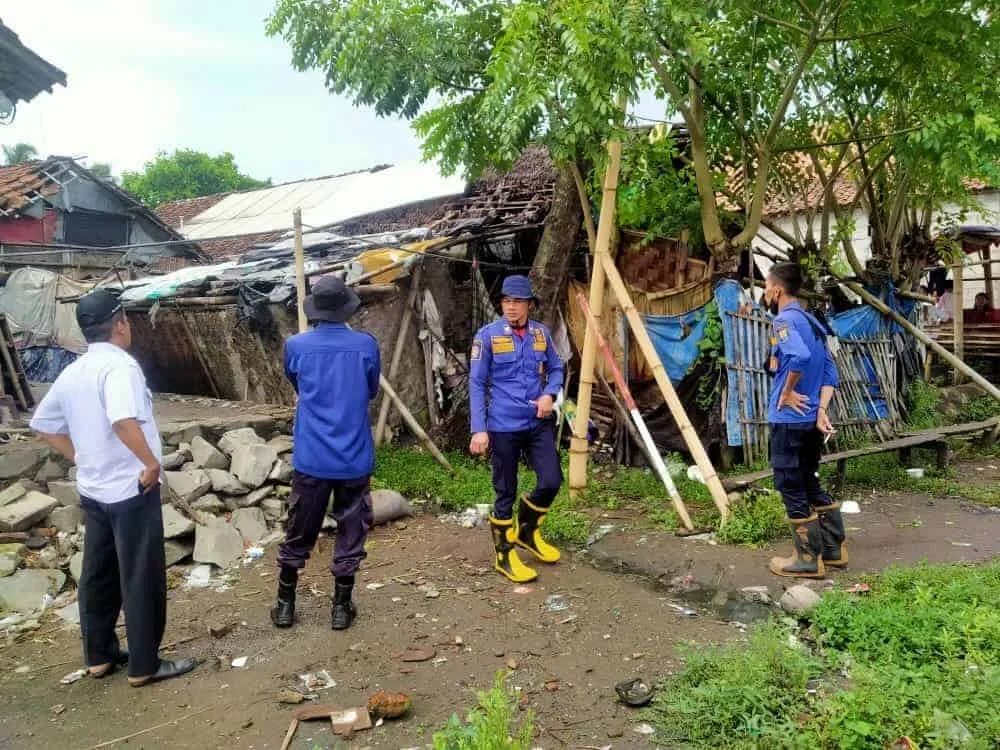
[919, 656]
[757, 520]
[922, 404]
[490, 725]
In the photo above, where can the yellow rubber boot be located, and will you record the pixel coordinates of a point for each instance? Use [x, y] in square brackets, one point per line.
[529, 534]
[507, 563]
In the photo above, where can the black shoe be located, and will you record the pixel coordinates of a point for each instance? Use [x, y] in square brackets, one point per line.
[168, 668]
[807, 558]
[283, 611]
[343, 611]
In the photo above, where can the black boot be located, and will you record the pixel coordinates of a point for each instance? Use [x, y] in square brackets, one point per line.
[343, 612]
[529, 535]
[807, 560]
[283, 611]
[831, 523]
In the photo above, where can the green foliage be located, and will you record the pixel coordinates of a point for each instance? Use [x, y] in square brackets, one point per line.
[923, 401]
[101, 169]
[760, 518]
[742, 695]
[712, 356]
[417, 475]
[490, 725]
[655, 195]
[979, 409]
[917, 657]
[19, 153]
[186, 174]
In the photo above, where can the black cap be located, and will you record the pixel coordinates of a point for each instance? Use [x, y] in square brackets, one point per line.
[97, 307]
[331, 300]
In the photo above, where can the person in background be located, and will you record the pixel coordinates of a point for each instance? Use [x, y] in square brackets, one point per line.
[335, 372]
[944, 310]
[515, 377]
[982, 303]
[99, 414]
[798, 413]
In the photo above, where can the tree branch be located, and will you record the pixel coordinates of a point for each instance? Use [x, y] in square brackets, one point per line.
[859, 139]
[784, 24]
[588, 219]
[865, 34]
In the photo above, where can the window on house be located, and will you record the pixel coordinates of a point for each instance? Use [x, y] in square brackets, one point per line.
[94, 228]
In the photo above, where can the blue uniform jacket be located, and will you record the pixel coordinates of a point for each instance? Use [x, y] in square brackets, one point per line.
[507, 373]
[800, 348]
[335, 371]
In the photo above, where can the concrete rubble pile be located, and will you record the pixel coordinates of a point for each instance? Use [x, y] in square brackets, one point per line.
[226, 488]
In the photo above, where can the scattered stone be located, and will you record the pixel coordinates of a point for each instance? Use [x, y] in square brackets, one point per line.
[207, 456]
[174, 524]
[21, 462]
[25, 590]
[50, 470]
[251, 523]
[221, 629]
[388, 505]
[282, 472]
[242, 437]
[26, 512]
[188, 486]
[15, 492]
[70, 613]
[226, 483]
[76, 566]
[185, 449]
[248, 501]
[272, 508]
[176, 552]
[10, 556]
[799, 600]
[36, 542]
[283, 491]
[253, 463]
[185, 434]
[291, 697]
[71, 474]
[209, 504]
[59, 707]
[735, 498]
[66, 518]
[46, 558]
[217, 542]
[174, 461]
[281, 444]
[756, 594]
[64, 491]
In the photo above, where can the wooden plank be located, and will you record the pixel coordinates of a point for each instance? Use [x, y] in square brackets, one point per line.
[916, 439]
[959, 429]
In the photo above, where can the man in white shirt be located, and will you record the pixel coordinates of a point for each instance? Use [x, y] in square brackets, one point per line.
[99, 414]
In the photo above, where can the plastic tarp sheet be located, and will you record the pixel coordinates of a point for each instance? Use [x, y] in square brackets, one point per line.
[676, 339]
[36, 317]
[730, 297]
[42, 364]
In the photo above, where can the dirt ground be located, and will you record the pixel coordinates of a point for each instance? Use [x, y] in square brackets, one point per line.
[567, 662]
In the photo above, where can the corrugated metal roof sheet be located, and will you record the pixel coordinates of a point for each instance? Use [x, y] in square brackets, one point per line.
[324, 201]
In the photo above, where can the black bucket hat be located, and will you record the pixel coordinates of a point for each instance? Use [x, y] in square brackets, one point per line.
[331, 300]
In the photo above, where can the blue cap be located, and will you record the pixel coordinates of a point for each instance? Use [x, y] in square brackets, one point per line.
[517, 287]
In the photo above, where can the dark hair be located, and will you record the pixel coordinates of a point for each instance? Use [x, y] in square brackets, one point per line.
[788, 276]
[102, 332]
[982, 294]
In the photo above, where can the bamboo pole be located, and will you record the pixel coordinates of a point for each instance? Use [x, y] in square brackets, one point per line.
[300, 269]
[691, 438]
[923, 338]
[578, 449]
[958, 319]
[397, 352]
[640, 424]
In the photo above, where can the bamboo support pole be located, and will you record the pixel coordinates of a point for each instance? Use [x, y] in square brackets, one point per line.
[640, 424]
[578, 450]
[397, 353]
[923, 338]
[691, 438]
[958, 319]
[300, 269]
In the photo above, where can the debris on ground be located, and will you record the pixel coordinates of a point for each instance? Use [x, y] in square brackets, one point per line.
[74, 676]
[350, 720]
[383, 705]
[239, 663]
[644, 729]
[313, 681]
[799, 600]
[635, 692]
[415, 654]
[289, 696]
[556, 603]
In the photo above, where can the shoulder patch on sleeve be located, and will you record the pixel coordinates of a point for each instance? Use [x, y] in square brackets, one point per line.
[780, 330]
[539, 344]
[477, 350]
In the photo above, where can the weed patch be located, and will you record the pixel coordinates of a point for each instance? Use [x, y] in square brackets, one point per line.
[918, 657]
[758, 519]
[490, 725]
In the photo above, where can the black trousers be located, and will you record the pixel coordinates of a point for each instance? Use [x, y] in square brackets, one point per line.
[123, 566]
[352, 507]
[795, 454]
[539, 445]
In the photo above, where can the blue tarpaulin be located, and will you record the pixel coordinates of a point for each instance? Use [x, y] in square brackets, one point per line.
[729, 296]
[42, 364]
[676, 339]
[866, 322]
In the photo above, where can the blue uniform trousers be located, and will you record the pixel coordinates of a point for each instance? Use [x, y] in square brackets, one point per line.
[795, 455]
[538, 444]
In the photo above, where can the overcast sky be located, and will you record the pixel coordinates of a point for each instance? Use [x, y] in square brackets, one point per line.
[151, 75]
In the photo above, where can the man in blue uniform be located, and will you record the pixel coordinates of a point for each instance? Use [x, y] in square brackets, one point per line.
[515, 377]
[804, 383]
[335, 372]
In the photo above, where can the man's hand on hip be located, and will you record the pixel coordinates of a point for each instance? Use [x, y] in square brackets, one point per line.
[149, 478]
[480, 444]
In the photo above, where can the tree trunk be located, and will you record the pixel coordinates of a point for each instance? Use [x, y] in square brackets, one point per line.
[562, 226]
